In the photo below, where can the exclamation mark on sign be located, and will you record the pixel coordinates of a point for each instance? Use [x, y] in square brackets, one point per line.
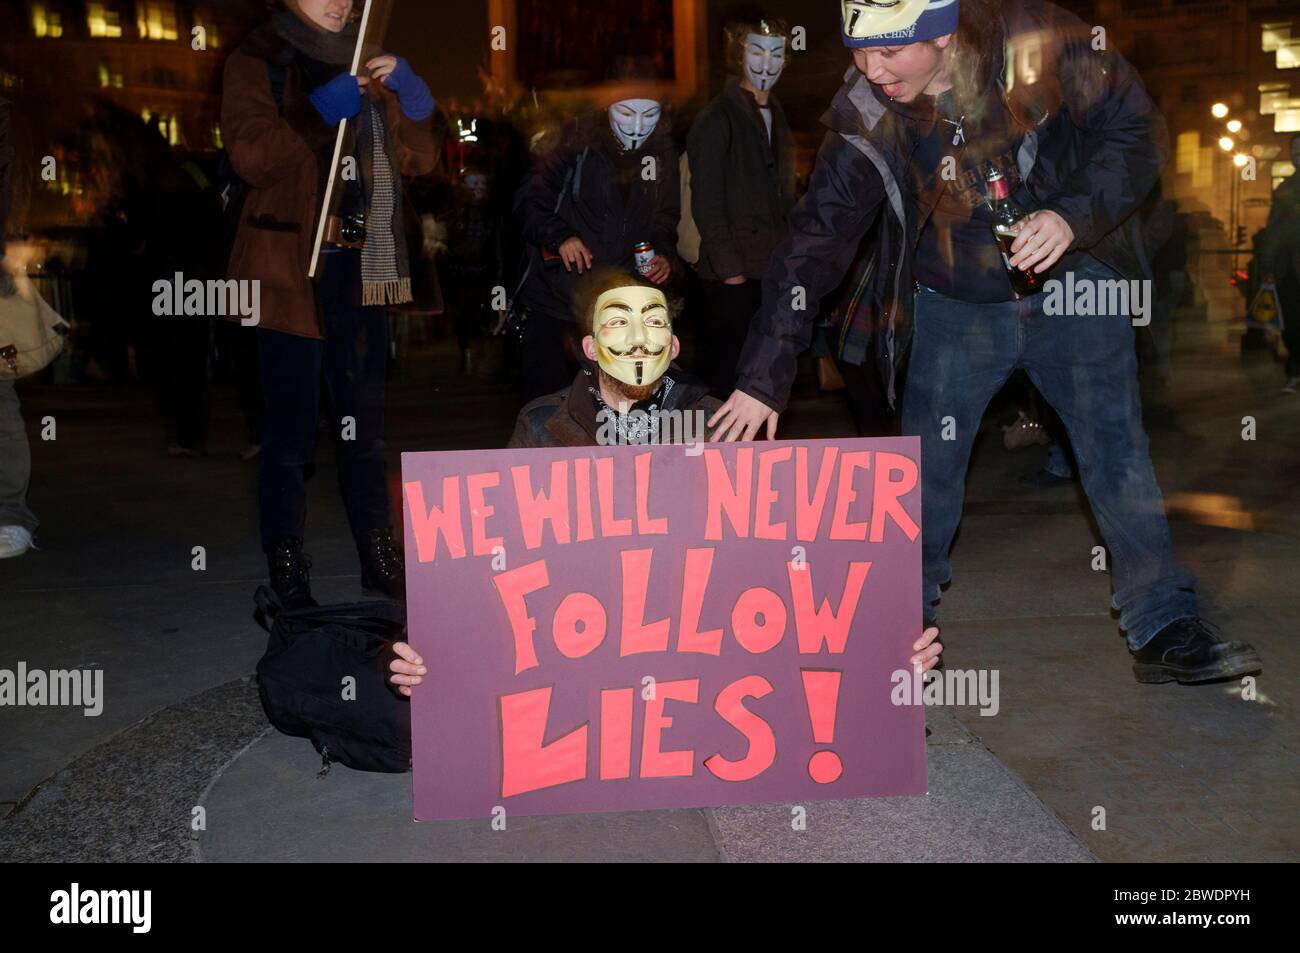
[822, 690]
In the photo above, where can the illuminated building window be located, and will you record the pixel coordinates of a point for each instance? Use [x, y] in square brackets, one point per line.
[109, 78]
[156, 19]
[46, 23]
[1274, 35]
[217, 141]
[103, 22]
[1288, 54]
[1187, 153]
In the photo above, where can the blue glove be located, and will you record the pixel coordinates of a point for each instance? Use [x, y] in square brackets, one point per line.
[412, 92]
[338, 99]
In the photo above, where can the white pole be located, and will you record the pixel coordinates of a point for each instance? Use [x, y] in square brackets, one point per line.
[338, 149]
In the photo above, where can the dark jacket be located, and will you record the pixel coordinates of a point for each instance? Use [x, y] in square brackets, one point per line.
[577, 175]
[568, 418]
[1093, 148]
[742, 188]
[279, 153]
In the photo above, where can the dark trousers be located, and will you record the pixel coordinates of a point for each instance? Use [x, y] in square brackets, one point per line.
[350, 364]
[723, 329]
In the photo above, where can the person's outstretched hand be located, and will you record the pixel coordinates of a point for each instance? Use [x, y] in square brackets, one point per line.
[741, 417]
[927, 650]
[407, 670]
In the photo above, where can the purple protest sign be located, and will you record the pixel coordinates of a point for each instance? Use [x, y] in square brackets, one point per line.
[621, 628]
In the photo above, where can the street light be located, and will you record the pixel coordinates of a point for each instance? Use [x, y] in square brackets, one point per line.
[1219, 110]
[1234, 125]
[1226, 144]
[1240, 159]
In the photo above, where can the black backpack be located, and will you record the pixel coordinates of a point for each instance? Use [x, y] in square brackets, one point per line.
[232, 190]
[301, 678]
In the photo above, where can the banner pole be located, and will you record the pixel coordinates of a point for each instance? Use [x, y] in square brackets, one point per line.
[338, 149]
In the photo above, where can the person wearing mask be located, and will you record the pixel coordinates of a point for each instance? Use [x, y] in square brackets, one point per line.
[606, 183]
[742, 188]
[332, 329]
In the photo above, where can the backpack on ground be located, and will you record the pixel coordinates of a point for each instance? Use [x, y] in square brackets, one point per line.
[324, 677]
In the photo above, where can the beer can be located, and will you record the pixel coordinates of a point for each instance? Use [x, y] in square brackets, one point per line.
[643, 253]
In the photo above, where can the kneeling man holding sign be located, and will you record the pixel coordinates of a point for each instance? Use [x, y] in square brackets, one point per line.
[631, 620]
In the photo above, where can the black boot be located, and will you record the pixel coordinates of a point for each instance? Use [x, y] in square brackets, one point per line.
[290, 570]
[1187, 651]
[382, 572]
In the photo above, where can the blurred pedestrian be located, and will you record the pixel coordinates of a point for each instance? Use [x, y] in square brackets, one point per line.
[17, 521]
[1279, 262]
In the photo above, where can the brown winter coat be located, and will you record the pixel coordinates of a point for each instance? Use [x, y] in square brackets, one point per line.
[279, 153]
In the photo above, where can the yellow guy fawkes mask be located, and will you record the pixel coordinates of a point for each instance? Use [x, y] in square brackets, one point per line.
[633, 334]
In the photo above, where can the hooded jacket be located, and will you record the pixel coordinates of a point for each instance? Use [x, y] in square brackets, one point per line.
[1093, 147]
[573, 190]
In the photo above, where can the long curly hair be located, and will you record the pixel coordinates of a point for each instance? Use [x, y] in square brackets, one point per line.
[980, 38]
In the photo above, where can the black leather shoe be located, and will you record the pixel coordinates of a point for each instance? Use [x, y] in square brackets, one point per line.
[290, 570]
[1188, 651]
[382, 572]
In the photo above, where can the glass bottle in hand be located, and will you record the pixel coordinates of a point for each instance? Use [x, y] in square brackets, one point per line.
[1007, 222]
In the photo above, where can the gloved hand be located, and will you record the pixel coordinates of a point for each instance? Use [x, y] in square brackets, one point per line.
[338, 99]
[412, 92]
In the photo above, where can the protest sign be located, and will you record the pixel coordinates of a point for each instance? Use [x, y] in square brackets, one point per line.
[618, 628]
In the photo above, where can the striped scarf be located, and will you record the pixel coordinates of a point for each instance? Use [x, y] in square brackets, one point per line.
[381, 281]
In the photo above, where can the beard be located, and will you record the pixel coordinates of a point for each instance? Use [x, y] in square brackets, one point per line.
[631, 392]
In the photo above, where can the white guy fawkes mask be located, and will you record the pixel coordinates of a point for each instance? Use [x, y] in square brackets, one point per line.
[633, 334]
[764, 60]
[633, 120]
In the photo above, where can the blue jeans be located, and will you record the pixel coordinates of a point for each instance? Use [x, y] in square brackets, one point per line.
[1086, 369]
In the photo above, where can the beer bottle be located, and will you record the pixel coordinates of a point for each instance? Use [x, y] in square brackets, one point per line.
[1007, 220]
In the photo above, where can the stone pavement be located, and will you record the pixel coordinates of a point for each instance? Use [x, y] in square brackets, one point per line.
[1181, 773]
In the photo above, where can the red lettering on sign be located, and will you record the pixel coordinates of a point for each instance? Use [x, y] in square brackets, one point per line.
[655, 762]
[428, 523]
[526, 763]
[730, 704]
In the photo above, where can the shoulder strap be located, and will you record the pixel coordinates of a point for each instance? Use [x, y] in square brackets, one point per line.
[279, 76]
